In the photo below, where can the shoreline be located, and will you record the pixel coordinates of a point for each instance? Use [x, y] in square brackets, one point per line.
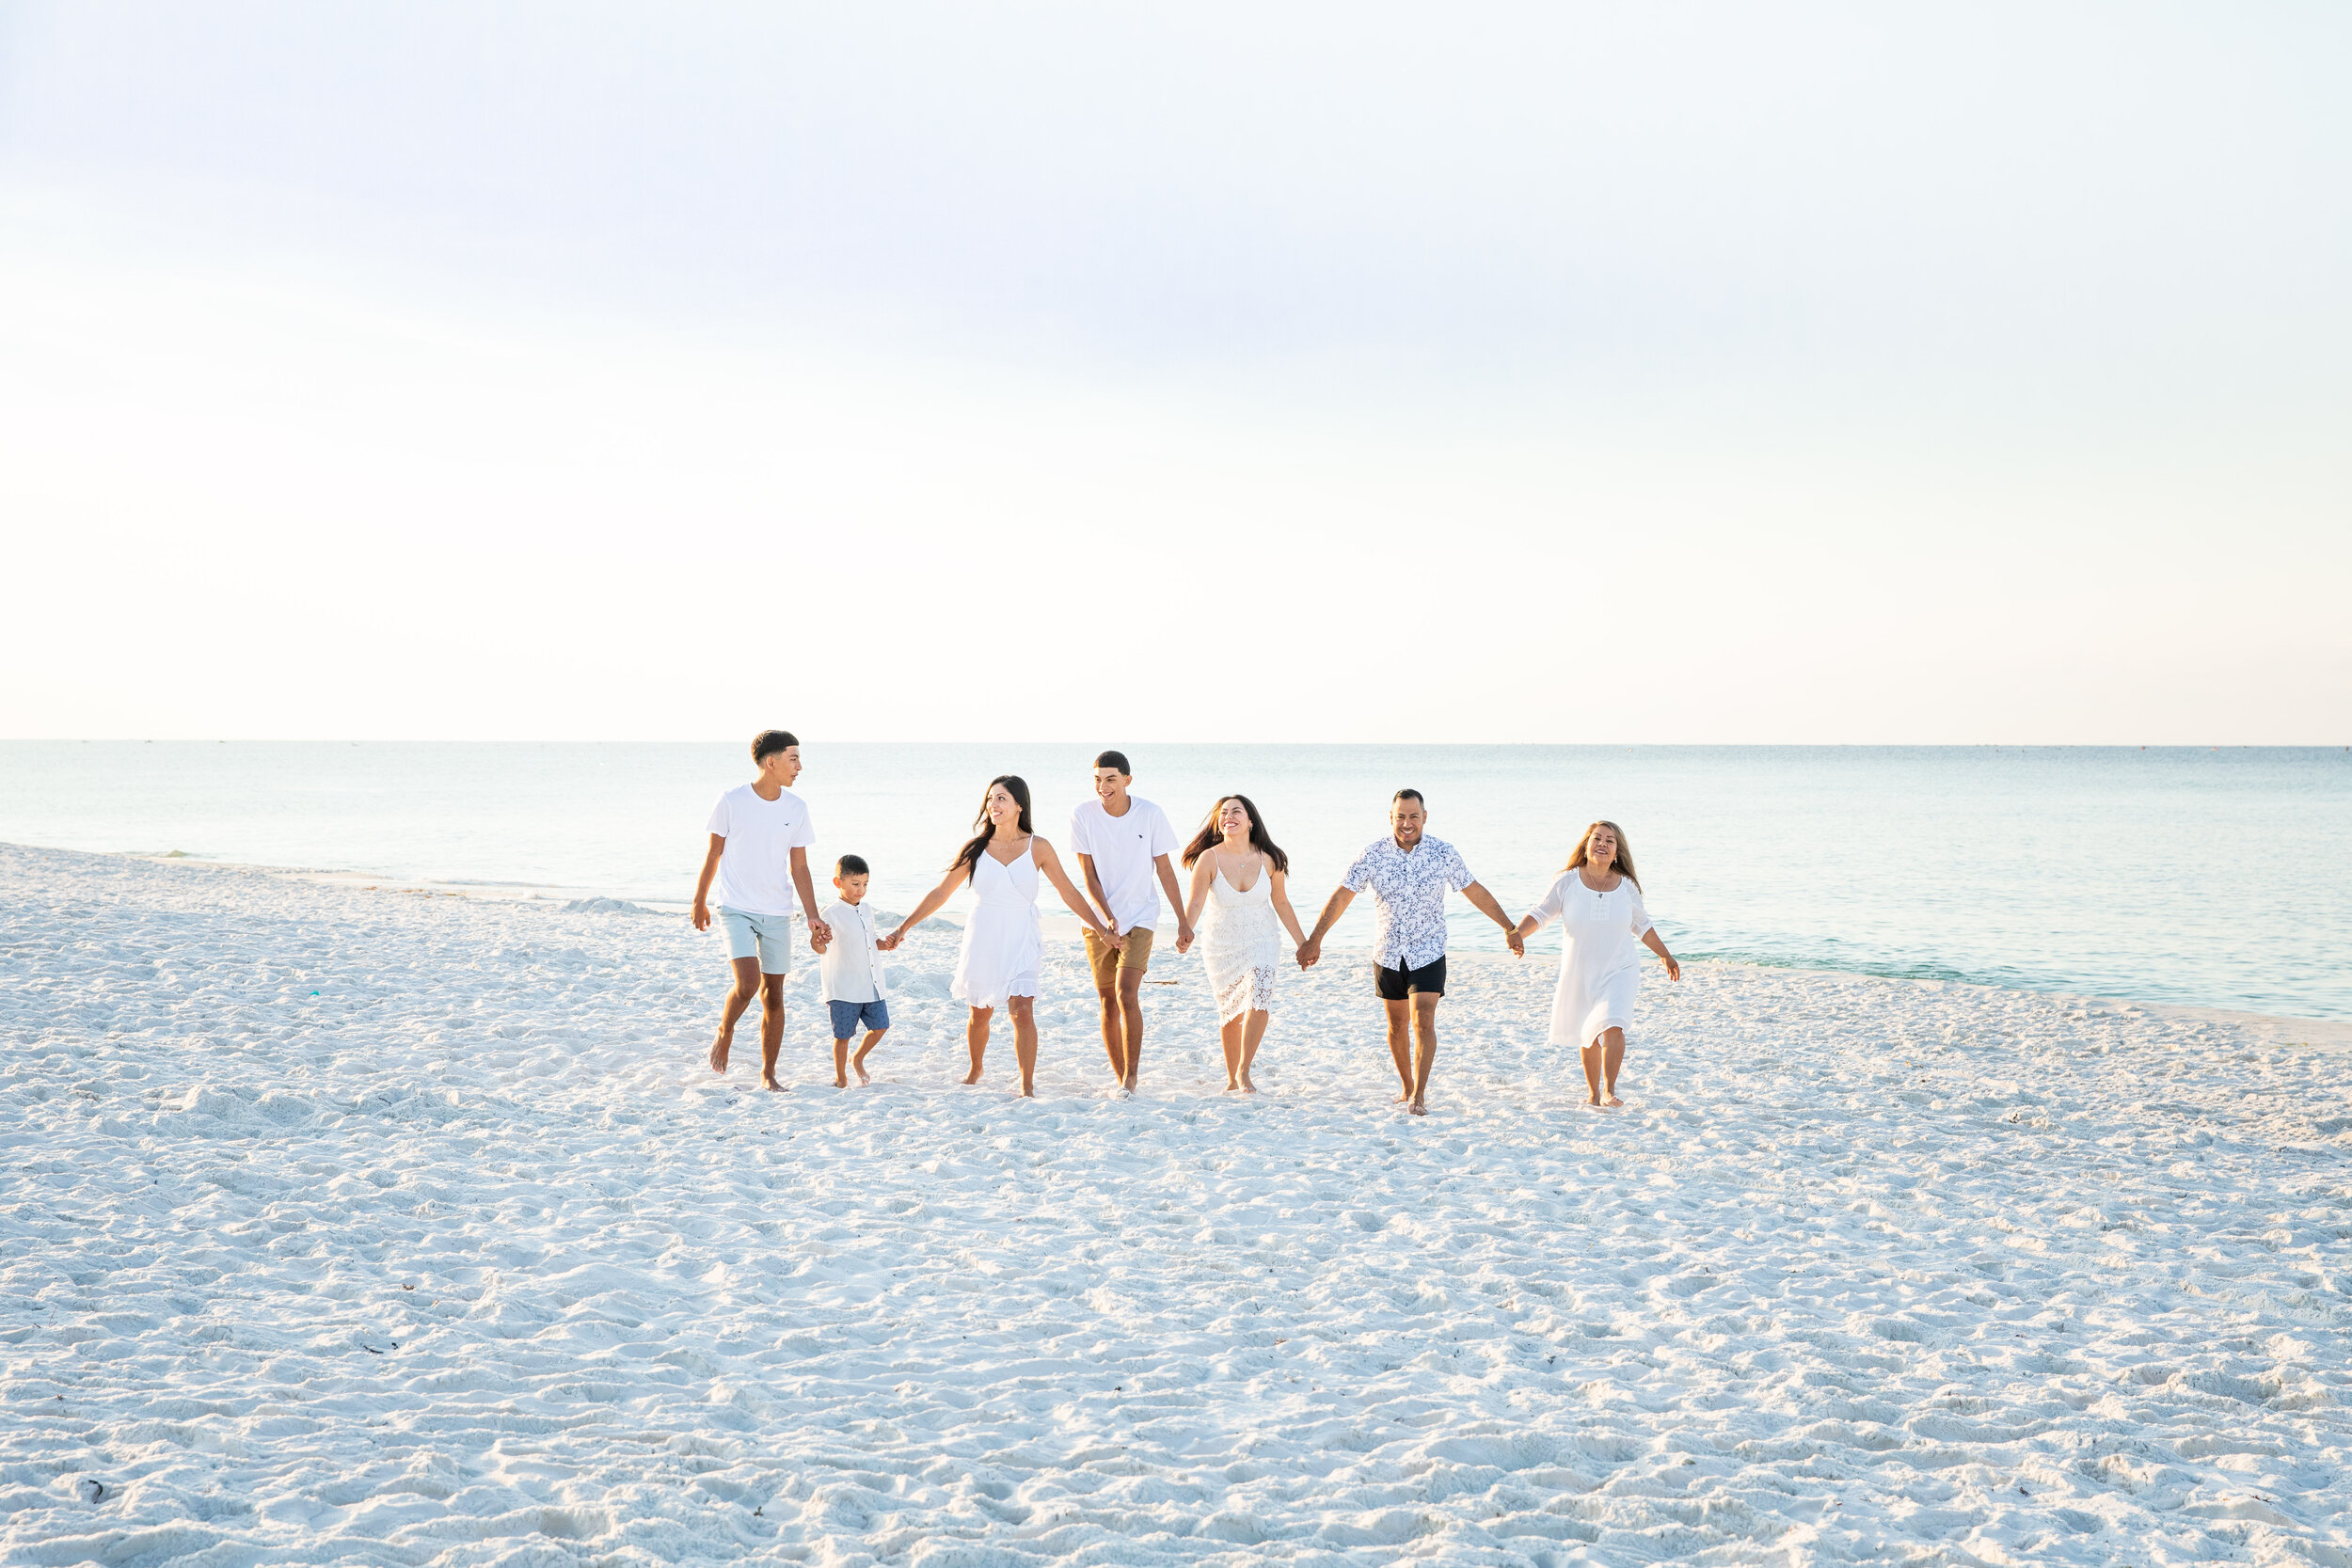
[2330, 1033]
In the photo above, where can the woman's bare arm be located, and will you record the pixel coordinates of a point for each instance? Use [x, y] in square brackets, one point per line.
[1203, 873]
[1050, 864]
[1651, 940]
[1283, 907]
[929, 907]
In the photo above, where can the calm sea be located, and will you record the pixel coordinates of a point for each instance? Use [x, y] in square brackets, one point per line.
[2215, 877]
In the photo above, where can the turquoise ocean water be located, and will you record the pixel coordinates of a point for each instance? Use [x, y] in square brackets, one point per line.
[2213, 878]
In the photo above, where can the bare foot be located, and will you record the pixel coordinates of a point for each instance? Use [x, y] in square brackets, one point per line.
[973, 1076]
[1129, 1084]
[1593, 1103]
[1028, 1091]
[1402, 1095]
[841, 1080]
[1246, 1086]
[1419, 1107]
[1232, 1088]
[1612, 1099]
[767, 1081]
[862, 1076]
[719, 1049]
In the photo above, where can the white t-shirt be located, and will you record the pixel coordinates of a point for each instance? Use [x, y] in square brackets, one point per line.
[755, 870]
[1124, 849]
[852, 965]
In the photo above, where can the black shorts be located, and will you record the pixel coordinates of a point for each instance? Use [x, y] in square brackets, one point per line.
[1395, 985]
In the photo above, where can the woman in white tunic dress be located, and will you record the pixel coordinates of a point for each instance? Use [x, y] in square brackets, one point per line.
[1002, 948]
[1237, 877]
[1597, 901]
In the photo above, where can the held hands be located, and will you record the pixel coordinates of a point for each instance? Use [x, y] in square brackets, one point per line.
[1308, 953]
[817, 943]
[819, 933]
[1183, 933]
[890, 943]
[1517, 943]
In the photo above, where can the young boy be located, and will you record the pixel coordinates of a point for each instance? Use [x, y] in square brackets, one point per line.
[759, 839]
[852, 972]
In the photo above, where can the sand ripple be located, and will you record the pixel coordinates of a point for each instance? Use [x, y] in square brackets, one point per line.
[353, 1227]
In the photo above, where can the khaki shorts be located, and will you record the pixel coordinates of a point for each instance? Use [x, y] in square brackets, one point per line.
[1107, 960]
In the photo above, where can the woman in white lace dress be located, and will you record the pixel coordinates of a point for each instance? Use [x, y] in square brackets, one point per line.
[1237, 875]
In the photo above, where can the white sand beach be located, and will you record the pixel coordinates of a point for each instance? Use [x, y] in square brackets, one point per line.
[352, 1226]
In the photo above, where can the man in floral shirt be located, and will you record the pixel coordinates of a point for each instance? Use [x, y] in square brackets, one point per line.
[1408, 875]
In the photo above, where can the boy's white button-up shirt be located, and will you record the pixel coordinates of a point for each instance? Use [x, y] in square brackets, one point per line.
[852, 964]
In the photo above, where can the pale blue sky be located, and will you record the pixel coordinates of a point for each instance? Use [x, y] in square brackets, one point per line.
[1839, 372]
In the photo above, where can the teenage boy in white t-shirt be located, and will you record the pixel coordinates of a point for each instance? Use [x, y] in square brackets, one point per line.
[759, 839]
[1122, 842]
[853, 991]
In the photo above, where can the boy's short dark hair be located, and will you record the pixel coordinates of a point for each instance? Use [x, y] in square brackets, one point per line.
[768, 742]
[1407, 794]
[1115, 760]
[851, 865]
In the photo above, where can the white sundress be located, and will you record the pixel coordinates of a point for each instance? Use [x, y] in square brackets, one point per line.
[1600, 960]
[1002, 945]
[1241, 944]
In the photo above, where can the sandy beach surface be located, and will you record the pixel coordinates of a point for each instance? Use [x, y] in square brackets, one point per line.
[352, 1226]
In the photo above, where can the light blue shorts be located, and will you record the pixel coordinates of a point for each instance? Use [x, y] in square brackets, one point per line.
[764, 937]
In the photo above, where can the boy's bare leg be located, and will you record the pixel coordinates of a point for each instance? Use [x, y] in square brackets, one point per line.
[841, 1065]
[873, 1038]
[1400, 1045]
[746, 987]
[1425, 1056]
[976, 1037]
[1130, 1014]
[1114, 1029]
[771, 1028]
[1259, 1019]
[1024, 1040]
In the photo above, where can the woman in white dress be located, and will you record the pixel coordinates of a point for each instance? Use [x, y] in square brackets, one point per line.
[1002, 948]
[1597, 901]
[1237, 875]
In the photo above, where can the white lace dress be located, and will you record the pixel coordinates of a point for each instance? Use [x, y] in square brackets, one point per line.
[1241, 944]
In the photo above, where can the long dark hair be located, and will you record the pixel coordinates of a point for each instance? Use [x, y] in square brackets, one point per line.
[1210, 833]
[968, 858]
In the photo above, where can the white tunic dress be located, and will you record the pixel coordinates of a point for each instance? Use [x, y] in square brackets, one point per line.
[1002, 946]
[1600, 960]
[1241, 944]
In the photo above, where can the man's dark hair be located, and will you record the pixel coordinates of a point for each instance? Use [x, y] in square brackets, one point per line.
[851, 865]
[768, 742]
[1407, 794]
[1114, 759]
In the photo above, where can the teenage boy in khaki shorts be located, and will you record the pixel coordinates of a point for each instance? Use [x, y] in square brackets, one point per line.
[1122, 841]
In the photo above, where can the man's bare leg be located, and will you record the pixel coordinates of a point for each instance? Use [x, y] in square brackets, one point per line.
[746, 987]
[1255, 1032]
[975, 1037]
[873, 1038]
[771, 1028]
[1114, 1029]
[1612, 1057]
[1130, 1008]
[1426, 1056]
[1024, 1040]
[1400, 1045]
